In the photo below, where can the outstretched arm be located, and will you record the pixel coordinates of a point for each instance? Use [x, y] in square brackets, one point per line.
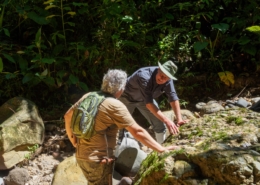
[144, 137]
[173, 129]
[177, 111]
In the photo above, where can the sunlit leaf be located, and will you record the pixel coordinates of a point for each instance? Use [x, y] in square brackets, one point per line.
[127, 18]
[71, 13]
[50, 16]
[227, 77]
[49, 2]
[44, 73]
[255, 29]
[84, 73]
[20, 52]
[50, 6]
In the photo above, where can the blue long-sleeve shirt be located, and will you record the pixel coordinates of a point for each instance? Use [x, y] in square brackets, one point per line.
[142, 86]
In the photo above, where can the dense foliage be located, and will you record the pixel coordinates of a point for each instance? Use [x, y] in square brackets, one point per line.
[48, 47]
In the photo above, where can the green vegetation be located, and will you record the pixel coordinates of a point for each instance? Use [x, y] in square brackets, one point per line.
[32, 151]
[154, 163]
[237, 120]
[49, 47]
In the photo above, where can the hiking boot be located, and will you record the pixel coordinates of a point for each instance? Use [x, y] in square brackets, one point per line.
[125, 181]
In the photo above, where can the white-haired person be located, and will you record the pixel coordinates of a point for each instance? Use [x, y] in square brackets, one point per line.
[95, 155]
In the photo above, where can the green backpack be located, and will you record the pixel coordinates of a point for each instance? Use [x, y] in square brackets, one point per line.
[83, 118]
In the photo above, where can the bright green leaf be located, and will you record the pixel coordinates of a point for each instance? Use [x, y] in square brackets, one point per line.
[255, 29]
[127, 18]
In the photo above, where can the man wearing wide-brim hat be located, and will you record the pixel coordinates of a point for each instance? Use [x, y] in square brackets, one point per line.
[144, 86]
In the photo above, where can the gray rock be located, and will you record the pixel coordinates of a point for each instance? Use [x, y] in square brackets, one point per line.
[17, 176]
[129, 156]
[68, 172]
[210, 107]
[21, 127]
[241, 102]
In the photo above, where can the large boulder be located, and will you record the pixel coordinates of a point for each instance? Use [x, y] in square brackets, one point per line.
[69, 172]
[219, 148]
[21, 126]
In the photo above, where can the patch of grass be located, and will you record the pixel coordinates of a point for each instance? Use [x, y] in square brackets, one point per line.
[237, 120]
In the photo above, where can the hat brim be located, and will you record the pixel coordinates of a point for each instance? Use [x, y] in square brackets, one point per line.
[166, 72]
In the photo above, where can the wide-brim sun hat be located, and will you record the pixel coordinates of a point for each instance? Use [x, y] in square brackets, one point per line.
[169, 69]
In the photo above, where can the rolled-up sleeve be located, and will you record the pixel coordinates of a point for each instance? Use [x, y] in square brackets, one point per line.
[171, 92]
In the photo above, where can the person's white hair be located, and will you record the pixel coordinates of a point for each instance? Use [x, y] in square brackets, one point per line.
[113, 81]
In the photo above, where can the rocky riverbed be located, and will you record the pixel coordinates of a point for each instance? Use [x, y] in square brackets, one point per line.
[238, 126]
